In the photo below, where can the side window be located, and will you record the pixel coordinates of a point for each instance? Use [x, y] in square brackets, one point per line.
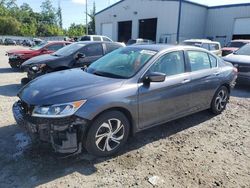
[93, 50]
[205, 46]
[55, 47]
[97, 38]
[106, 39]
[170, 64]
[198, 60]
[214, 47]
[85, 38]
[213, 61]
[112, 46]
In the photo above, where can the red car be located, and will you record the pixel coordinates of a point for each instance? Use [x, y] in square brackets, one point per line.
[234, 45]
[17, 57]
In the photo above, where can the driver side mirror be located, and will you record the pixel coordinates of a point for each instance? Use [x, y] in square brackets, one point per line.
[80, 56]
[154, 77]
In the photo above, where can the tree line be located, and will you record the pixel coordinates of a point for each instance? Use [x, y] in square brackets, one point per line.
[23, 21]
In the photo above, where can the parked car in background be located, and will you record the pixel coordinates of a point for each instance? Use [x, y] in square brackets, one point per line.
[9, 41]
[209, 45]
[241, 60]
[233, 45]
[124, 92]
[17, 57]
[1, 41]
[95, 38]
[139, 41]
[28, 42]
[80, 54]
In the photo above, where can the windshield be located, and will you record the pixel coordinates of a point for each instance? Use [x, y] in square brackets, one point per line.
[245, 50]
[121, 63]
[235, 44]
[39, 46]
[69, 49]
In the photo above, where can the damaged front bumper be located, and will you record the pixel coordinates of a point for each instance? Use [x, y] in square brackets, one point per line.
[64, 134]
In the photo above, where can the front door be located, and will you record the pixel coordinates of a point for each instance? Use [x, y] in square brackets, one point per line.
[92, 52]
[163, 101]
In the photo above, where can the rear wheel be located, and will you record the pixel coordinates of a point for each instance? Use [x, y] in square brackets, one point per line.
[220, 100]
[107, 134]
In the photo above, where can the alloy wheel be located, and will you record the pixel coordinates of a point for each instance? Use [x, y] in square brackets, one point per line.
[221, 100]
[109, 135]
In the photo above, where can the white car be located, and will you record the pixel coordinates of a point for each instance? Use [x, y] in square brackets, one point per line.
[211, 46]
[95, 38]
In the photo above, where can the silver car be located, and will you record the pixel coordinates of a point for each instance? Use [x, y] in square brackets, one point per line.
[124, 92]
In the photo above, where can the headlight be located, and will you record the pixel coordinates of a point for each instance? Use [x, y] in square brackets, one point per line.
[57, 110]
[38, 67]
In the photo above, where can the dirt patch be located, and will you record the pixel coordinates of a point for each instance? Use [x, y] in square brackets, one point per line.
[200, 150]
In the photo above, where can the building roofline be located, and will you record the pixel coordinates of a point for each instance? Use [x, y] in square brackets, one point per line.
[229, 6]
[185, 1]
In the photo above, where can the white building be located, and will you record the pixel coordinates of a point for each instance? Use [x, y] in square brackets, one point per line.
[170, 19]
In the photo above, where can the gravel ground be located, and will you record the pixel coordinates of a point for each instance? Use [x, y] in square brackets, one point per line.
[200, 150]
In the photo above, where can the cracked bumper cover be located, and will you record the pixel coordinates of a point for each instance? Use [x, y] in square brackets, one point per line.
[65, 134]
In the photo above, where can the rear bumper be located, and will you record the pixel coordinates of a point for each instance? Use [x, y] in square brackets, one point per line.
[64, 134]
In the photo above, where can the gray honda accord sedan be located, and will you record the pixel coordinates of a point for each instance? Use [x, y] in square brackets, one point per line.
[124, 92]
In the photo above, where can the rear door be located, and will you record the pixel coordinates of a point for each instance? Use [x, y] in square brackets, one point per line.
[205, 77]
[163, 101]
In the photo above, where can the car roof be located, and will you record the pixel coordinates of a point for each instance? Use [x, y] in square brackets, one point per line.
[96, 42]
[200, 40]
[163, 47]
[241, 40]
[52, 42]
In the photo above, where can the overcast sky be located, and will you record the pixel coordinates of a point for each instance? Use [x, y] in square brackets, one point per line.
[74, 10]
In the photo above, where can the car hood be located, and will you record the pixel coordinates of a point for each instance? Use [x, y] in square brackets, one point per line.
[234, 58]
[28, 51]
[66, 86]
[40, 59]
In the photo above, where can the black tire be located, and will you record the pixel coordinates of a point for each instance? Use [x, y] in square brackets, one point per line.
[220, 100]
[96, 144]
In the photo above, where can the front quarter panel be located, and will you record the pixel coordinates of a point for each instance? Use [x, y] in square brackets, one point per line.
[125, 97]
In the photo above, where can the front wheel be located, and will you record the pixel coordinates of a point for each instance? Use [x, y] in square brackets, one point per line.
[220, 100]
[108, 133]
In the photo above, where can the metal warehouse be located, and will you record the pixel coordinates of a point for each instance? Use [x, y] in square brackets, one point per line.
[173, 20]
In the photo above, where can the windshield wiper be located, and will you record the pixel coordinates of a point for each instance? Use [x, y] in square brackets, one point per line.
[107, 74]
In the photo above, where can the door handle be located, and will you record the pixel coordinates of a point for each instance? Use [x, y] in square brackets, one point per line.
[185, 81]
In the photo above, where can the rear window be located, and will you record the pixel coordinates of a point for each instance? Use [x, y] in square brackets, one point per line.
[235, 44]
[131, 41]
[214, 47]
[112, 46]
[97, 39]
[205, 46]
[106, 39]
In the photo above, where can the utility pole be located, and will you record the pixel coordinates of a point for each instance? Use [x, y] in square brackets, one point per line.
[87, 18]
[179, 23]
